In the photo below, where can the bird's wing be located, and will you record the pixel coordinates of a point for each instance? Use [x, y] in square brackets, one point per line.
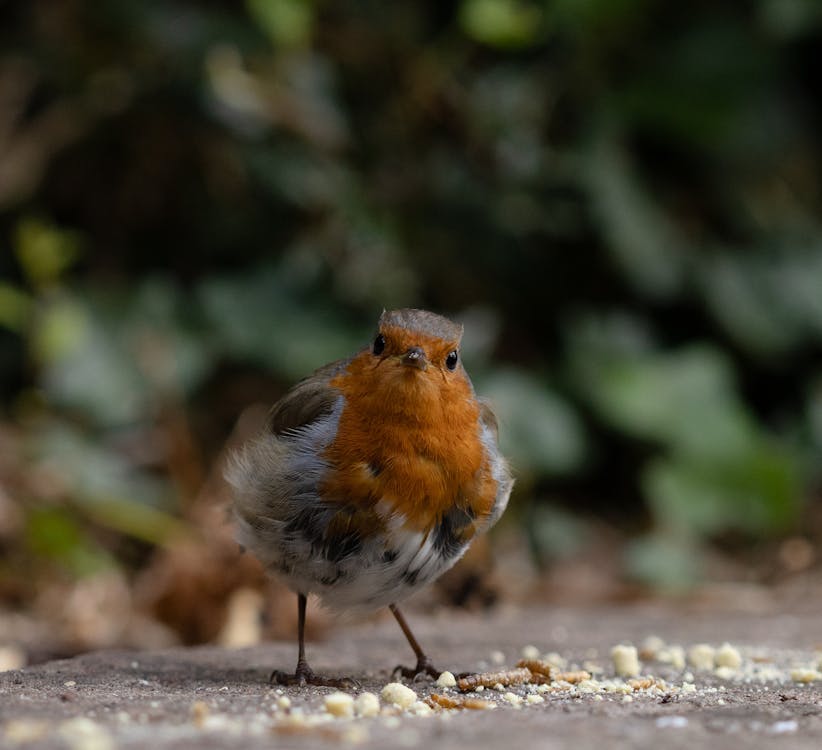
[488, 418]
[498, 466]
[308, 400]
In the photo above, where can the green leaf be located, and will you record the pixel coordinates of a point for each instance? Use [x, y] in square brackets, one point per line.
[255, 317]
[286, 22]
[105, 486]
[15, 307]
[54, 534]
[665, 561]
[84, 366]
[684, 399]
[555, 534]
[643, 240]
[45, 252]
[758, 493]
[768, 299]
[539, 430]
[508, 24]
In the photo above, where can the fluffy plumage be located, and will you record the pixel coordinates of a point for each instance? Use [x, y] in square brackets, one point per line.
[375, 472]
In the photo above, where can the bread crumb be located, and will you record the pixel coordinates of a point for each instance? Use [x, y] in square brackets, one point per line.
[367, 704]
[199, 712]
[532, 699]
[513, 699]
[574, 678]
[283, 702]
[701, 656]
[339, 704]
[651, 647]
[555, 660]
[356, 734]
[530, 652]
[23, 731]
[673, 655]
[446, 680]
[398, 694]
[81, 733]
[726, 673]
[626, 661]
[805, 675]
[12, 657]
[418, 708]
[728, 656]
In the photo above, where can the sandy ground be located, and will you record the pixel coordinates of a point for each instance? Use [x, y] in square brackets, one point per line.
[216, 698]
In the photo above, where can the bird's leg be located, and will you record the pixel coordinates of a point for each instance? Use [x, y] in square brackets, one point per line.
[304, 675]
[424, 665]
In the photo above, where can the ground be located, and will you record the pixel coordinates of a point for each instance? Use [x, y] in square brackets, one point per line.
[210, 697]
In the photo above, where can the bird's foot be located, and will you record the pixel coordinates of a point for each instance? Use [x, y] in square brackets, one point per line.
[304, 675]
[424, 667]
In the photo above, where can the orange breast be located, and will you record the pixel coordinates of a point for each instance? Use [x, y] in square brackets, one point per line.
[409, 438]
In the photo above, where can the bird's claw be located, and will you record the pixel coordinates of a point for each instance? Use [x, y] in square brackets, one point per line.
[306, 676]
[424, 667]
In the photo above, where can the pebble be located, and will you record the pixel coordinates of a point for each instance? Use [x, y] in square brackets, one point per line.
[784, 727]
[672, 722]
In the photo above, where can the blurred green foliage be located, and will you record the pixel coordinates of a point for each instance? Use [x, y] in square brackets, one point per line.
[621, 199]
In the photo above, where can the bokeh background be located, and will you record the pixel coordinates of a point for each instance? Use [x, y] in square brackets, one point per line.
[201, 202]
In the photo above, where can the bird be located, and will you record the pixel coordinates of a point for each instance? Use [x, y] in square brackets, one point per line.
[372, 477]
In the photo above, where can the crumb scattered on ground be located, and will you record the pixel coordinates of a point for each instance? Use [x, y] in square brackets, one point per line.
[754, 678]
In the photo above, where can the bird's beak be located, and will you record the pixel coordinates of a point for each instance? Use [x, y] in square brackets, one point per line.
[415, 357]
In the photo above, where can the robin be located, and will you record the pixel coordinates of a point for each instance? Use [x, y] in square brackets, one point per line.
[372, 477]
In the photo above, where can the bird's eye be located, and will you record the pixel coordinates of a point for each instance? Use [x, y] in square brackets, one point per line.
[379, 344]
[451, 360]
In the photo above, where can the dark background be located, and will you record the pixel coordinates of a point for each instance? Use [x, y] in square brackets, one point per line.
[201, 202]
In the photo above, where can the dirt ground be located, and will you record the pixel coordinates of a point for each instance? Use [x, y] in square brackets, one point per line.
[210, 697]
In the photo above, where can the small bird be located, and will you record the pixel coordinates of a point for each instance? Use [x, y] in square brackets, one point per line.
[372, 477]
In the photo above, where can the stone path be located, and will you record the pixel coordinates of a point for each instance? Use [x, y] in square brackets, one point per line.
[764, 688]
